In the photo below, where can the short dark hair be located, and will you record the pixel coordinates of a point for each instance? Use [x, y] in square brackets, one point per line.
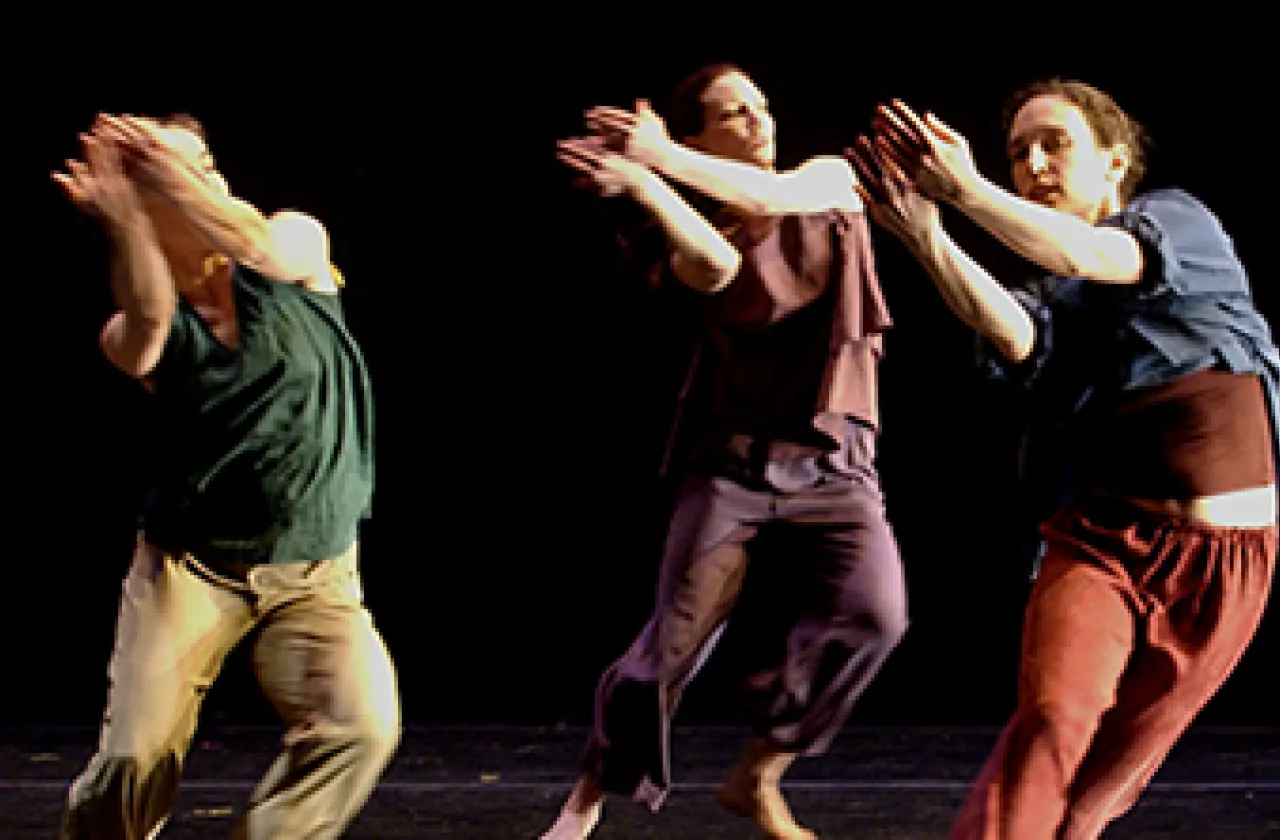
[1109, 122]
[185, 121]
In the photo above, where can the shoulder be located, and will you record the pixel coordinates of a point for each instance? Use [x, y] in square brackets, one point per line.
[304, 242]
[295, 229]
[834, 176]
[833, 166]
[1186, 249]
[1171, 209]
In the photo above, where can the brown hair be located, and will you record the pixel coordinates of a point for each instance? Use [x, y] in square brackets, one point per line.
[1109, 122]
[184, 121]
[685, 114]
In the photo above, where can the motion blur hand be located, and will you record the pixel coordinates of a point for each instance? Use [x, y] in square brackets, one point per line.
[641, 134]
[146, 154]
[98, 183]
[889, 195]
[933, 156]
[602, 170]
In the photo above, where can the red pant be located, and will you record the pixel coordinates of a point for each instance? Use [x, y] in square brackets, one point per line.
[1136, 620]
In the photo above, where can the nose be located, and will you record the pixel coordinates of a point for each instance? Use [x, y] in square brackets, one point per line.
[1037, 160]
[761, 122]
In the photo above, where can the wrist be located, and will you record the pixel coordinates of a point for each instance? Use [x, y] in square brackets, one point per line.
[660, 157]
[970, 192]
[925, 239]
[642, 186]
[127, 221]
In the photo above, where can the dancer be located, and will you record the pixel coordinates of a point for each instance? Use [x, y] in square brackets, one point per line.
[1145, 343]
[795, 323]
[233, 323]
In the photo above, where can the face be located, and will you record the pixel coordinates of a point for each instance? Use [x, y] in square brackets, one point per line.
[737, 123]
[1057, 161]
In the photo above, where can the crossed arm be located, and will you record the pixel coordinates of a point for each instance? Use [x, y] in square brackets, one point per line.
[820, 184]
[702, 257]
[288, 246]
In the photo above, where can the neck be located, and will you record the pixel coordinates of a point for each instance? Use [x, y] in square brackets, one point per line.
[204, 279]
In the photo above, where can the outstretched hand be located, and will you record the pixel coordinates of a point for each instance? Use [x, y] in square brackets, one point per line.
[98, 183]
[640, 134]
[601, 169]
[889, 195]
[146, 154]
[934, 156]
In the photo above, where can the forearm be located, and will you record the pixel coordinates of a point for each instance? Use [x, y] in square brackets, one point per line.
[748, 188]
[1059, 242]
[141, 281]
[231, 226]
[975, 296]
[711, 259]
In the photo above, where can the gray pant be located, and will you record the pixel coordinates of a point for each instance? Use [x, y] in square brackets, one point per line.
[843, 561]
[318, 658]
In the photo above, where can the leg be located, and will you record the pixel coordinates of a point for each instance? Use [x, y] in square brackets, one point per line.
[853, 613]
[852, 597]
[1077, 639]
[701, 576]
[325, 669]
[1209, 609]
[173, 633]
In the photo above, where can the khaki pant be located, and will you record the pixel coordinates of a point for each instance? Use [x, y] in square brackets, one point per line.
[318, 658]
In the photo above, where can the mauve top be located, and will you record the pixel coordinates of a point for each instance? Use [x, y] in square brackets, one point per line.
[794, 341]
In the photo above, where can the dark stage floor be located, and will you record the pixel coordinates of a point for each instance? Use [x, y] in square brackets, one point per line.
[500, 783]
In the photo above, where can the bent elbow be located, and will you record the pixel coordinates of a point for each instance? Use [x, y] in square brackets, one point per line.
[1113, 258]
[1014, 349]
[720, 275]
[707, 273]
[1017, 342]
[134, 345]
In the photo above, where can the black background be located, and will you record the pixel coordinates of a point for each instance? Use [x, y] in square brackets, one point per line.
[523, 380]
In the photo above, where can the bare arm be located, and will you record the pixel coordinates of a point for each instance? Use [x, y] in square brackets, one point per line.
[1059, 242]
[703, 259]
[288, 246]
[134, 338]
[822, 183]
[975, 297]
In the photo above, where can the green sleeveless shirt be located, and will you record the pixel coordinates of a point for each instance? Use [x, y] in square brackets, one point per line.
[268, 448]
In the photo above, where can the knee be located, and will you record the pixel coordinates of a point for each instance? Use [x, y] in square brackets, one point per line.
[1055, 728]
[891, 624]
[885, 621]
[378, 729]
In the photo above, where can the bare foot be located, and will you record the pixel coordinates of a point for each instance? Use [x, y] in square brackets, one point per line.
[751, 790]
[580, 813]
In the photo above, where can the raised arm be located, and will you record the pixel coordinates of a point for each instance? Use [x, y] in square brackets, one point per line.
[822, 183]
[1058, 242]
[134, 338]
[702, 258]
[288, 246]
[975, 296]
[966, 287]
